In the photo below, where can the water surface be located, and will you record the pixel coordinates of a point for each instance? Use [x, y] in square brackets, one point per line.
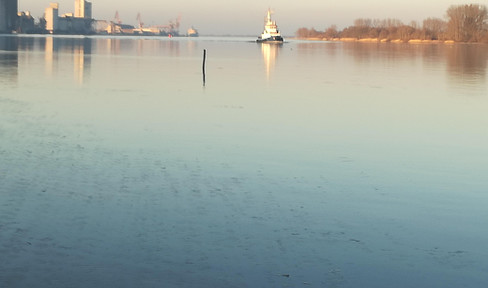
[318, 164]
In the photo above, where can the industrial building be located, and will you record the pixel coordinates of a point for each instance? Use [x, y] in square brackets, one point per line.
[80, 22]
[83, 9]
[26, 23]
[51, 16]
[8, 15]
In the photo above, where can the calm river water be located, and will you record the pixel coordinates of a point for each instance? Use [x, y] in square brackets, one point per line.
[307, 164]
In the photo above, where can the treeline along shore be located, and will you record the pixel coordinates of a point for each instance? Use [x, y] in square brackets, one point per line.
[462, 24]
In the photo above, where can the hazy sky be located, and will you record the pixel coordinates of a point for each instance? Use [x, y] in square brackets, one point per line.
[245, 17]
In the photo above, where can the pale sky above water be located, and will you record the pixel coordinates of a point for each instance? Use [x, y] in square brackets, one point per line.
[237, 17]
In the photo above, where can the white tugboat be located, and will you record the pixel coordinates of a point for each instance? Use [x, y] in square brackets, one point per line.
[271, 32]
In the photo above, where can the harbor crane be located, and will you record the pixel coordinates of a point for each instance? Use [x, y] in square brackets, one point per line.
[117, 18]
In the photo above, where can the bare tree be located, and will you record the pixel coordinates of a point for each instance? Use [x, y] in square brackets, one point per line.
[308, 33]
[331, 32]
[363, 23]
[392, 23]
[467, 22]
[414, 24]
[434, 28]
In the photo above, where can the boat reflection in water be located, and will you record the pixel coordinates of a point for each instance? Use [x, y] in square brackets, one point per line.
[270, 52]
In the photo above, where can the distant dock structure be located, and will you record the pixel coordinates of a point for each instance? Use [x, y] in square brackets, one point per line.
[116, 27]
[192, 32]
[79, 22]
[8, 15]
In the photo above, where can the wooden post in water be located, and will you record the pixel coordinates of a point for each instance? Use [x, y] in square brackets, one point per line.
[203, 65]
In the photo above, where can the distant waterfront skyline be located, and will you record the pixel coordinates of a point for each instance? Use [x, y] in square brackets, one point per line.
[217, 17]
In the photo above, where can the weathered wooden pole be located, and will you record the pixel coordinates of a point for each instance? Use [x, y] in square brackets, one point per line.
[203, 65]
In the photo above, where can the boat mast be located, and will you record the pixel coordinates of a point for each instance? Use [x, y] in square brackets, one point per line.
[268, 18]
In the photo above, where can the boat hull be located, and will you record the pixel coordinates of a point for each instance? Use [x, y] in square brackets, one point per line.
[275, 39]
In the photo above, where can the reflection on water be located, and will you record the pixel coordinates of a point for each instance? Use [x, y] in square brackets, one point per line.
[270, 53]
[467, 64]
[112, 46]
[77, 48]
[314, 48]
[8, 60]
[82, 59]
[135, 46]
[354, 151]
[49, 56]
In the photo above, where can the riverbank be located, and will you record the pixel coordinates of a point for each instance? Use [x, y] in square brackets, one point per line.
[377, 40]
